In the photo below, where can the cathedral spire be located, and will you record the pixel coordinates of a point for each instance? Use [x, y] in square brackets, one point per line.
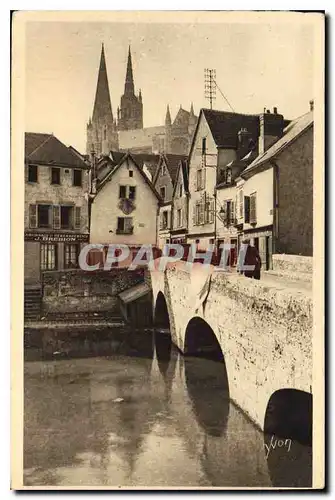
[192, 110]
[129, 83]
[102, 104]
[167, 116]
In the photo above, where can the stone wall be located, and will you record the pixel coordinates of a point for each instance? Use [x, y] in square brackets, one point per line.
[295, 194]
[265, 332]
[85, 291]
[292, 263]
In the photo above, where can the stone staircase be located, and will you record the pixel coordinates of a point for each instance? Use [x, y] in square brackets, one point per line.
[32, 303]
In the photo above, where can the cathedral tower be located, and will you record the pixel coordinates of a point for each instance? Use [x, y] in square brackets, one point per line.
[130, 113]
[101, 129]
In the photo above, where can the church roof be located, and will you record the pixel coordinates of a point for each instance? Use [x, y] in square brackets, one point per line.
[47, 149]
[102, 104]
[129, 139]
[225, 125]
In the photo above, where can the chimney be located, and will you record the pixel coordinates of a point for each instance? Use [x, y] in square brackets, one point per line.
[270, 129]
[311, 105]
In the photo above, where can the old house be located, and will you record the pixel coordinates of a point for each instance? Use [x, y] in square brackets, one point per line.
[56, 206]
[275, 194]
[164, 182]
[215, 144]
[179, 216]
[125, 207]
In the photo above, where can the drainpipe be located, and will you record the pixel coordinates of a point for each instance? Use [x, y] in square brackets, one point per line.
[215, 242]
[275, 230]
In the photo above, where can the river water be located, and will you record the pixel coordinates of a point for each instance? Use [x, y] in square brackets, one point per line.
[150, 419]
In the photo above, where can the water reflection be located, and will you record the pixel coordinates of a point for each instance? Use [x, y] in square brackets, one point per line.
[209, 393]
[145, 416]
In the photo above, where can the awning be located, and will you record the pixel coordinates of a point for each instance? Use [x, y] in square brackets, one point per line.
[134, 293]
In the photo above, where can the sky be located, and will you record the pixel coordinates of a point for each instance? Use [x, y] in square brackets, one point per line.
[257, 66]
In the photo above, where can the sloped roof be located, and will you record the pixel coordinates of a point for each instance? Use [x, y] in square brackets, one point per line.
[225, 125]
[183, 167]
[140, 169]
[47, 149]
[172, 163]
[291, 132]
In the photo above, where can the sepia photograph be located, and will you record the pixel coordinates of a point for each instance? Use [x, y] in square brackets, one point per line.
[167, 207]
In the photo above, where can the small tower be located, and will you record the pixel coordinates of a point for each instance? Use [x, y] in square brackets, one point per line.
[168, 127]
[131, 108]
[192, 121]
[101, 130]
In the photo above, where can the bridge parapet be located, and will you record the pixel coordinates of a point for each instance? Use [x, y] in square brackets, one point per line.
[263, 327]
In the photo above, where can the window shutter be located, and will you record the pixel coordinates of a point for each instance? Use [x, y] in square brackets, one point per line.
[202, 213]
[161, 221]
[241, 204]
[194, 215]
[56, 217]
[203, 178]
[77, 218]
[211, 213]
[247, 209]
[232, 213]
[253, 208]
[33, 216]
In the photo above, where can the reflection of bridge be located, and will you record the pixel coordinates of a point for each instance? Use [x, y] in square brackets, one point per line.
[264, 335]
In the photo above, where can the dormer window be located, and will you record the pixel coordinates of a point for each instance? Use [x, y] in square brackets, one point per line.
[228, 176]
[163, 169]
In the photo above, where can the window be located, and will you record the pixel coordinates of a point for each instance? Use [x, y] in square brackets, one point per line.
[32, 173]
[77, 177]
[71, 253]
[44, 215]
[164, 220]
[124, 225]
[253, 214]
[131, 173]
[211, 241]
[105, 133]
[179, 218]
[66, 214]
[55, 175]
[204, 145]
[122, 191]
[132, 192]
[48, 257]
[230, 212]
[163, 192]
[180, 190]
[247, 209]
[228, 176]
[199, 214]
[163, 171]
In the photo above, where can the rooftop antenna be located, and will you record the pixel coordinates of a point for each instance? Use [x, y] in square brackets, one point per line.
[210, 86]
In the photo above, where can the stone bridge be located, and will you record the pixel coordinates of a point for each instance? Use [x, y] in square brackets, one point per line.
[263, 330]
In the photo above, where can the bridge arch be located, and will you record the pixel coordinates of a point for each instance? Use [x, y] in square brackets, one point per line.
[288, 438]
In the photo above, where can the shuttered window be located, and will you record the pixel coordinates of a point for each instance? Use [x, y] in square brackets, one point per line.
[33, 216]
[253, 214]
[56, 216]
[77, 218]
[240, 203]
[232, 213]
[48, 256]
[247, 209]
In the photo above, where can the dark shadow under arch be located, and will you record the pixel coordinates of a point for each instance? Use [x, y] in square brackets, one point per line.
[206, 378]
[288, 438]
[161, 314]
